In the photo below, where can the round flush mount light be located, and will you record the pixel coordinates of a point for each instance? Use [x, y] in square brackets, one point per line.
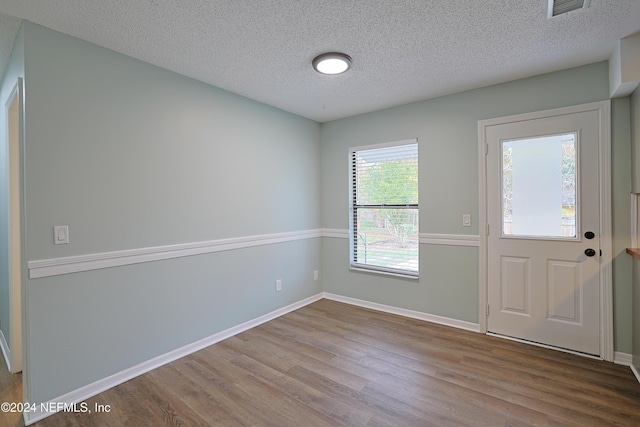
[331, 63]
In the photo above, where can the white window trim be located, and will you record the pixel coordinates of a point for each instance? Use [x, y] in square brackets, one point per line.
[353, 266]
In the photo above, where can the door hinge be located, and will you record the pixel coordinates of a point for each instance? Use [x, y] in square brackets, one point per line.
[487, 231]
[487, 310]
[600, 252]
[486, 149]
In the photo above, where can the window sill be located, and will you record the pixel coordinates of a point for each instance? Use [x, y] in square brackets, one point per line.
[385, 273]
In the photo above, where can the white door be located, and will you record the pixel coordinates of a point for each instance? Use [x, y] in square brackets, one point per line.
[543, 243]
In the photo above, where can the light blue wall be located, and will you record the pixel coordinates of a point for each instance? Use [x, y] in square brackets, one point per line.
[131, 156]
[163, 159]
[14, 70]
[446, 129]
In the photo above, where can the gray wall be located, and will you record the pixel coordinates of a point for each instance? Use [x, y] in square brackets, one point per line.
[621, 219]
[446, 129]
[14, 70]
[132, 156]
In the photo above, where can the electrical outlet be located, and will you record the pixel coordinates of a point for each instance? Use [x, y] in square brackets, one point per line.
[315, 274]
[278, 285]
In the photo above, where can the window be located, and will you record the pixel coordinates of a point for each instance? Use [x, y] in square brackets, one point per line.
[539, 186]
[384, 208]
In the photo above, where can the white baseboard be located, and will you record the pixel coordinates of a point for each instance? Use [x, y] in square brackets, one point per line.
[625, 359]
[635, 362]
[5, 350]
[635, 372]
[460, 324]
[620, 358]
[83, 393]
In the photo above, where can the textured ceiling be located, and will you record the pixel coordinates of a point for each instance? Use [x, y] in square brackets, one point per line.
[402, 50]
[8, 30]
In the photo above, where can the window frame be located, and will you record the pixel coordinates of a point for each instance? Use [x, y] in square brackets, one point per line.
[354, 207]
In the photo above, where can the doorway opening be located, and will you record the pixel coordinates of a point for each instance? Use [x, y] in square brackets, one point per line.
[11, 314]
[545, 207]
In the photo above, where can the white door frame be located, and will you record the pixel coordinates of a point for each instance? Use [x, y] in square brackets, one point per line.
[604, 148]
[14, 354]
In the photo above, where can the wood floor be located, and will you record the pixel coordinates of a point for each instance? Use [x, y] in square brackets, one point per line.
[10, 391]
[331, 364]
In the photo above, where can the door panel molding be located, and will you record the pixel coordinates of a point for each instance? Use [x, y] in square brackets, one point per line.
[564, 291]
[603, 109]
[516, 295]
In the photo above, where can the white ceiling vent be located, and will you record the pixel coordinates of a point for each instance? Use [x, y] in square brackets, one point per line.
[560, 7]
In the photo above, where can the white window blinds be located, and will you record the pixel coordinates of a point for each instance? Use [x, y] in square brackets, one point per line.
[384, 208]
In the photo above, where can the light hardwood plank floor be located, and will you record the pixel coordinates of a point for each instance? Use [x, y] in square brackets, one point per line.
[10, 391]
[332, 364]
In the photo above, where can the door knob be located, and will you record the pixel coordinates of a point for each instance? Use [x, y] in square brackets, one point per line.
[589, 252]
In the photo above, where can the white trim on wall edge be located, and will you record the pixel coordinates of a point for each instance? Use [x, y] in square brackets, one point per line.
[447, 321]
[624, 359]
[450, 239]
[635, 372]
[83, 393]
[6, 352]
[425, 238]
[74, 264]
[337, 233]
[606, 273]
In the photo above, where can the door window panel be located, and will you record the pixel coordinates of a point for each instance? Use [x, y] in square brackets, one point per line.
[539, 186]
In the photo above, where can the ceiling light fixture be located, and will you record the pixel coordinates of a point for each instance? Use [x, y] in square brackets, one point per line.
[331, 63]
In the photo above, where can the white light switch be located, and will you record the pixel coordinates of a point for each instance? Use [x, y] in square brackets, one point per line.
[466, 220]
[61, 234]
